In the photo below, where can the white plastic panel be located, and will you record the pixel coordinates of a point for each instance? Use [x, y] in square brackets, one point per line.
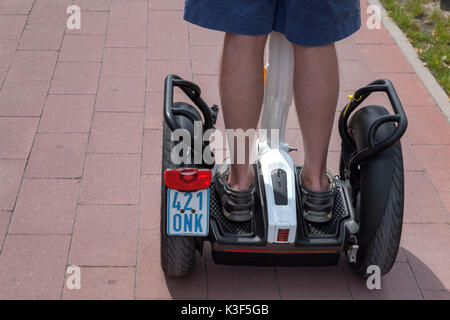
[284, 216]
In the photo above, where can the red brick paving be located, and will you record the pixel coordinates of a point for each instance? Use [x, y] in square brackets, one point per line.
[80, 157]
[23, 98]
[67, 113]
[11, 172]
[103, 283]
[105, 235]
[45, 206]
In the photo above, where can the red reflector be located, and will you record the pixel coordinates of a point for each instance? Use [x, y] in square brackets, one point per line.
[187, 179]
[283, 235]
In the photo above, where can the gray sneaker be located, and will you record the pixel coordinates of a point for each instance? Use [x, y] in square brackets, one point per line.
[318, 206]
[237, 205]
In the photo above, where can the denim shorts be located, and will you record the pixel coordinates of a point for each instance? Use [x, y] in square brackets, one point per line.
[304, 22]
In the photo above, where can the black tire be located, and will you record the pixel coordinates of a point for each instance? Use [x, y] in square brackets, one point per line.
[382, 249]
[177, 252]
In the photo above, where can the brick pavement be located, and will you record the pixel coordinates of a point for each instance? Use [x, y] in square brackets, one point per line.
[80, 150]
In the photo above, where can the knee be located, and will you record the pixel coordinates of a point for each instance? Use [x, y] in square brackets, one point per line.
[245, 41]
[325, 47]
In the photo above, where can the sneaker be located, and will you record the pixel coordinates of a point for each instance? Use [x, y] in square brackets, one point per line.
[237, 205]
[318, 206]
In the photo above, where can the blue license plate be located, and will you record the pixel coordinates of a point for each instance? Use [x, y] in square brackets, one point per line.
[188, 213]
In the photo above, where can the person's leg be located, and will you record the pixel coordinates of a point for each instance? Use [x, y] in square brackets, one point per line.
[241, 94]
[316, 89]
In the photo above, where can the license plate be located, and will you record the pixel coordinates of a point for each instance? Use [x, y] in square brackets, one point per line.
[188, 213]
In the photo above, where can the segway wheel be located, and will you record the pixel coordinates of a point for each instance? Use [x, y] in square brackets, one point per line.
[381, 249]
[177, 252]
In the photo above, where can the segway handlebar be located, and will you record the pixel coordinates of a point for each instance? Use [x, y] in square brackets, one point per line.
[193, 92]
[398, 117]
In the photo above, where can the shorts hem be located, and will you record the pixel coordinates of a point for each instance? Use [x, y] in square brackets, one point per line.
[311, 37]
[227, 22]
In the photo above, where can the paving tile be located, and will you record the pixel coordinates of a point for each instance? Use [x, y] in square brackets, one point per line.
[241, 283]
[410, 160]
[426, 248]
[23, 98]
[57, 155]
[67, 113]
[335, 140]
[150, 280]
[111, 179]
[333, 159]
[166, 5]
[292, 120]
[353, 75]
[33, 65]
[116, 133]
[427, 125]
[374, 36]
[50, 12]
[15, 7]
[45, 206]
[401, 256]
[5, 217]
[82, 48]
[105, 236]
[38, 37]
[17, 136]
[445, 196]
[375, 57]
[7, 51]
[347, 52]
[436, 294]
[89, 5]
[33, 266]
[159, 70]
[422, 203]
[121, 94]
[75, 78]
[410, 89]
[11, 26]
[167, 36]
[210, 88]
[199, 36]
[2, 75]
[127, 24]
[11, 172]
[103, 283]
[92, 23]
[206, 60]
[152, 154]
[297, 283]
[398, 284]
[150, 213]
[435, 160]
[124, 62]
[154, 118]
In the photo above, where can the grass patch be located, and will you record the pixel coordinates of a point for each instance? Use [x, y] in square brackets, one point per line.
[428, 30]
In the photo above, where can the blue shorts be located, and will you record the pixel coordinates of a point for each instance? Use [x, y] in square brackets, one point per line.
[304, 22]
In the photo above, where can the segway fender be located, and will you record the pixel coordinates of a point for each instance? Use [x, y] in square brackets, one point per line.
[376, 173]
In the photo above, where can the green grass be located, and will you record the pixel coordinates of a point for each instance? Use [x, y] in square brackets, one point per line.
[428, 29]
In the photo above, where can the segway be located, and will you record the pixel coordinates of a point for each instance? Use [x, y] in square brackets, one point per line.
[368, 209]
